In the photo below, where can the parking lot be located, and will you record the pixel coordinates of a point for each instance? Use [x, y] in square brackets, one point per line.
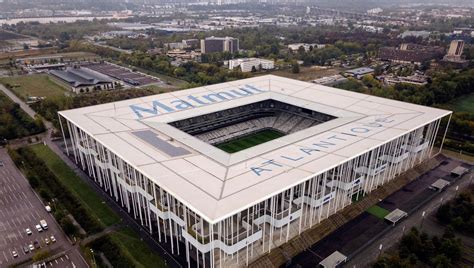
[21, 209]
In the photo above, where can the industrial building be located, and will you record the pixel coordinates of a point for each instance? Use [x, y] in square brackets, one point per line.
[83, 79]
[159, 158]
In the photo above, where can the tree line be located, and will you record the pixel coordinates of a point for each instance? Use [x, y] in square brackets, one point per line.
[14, 122]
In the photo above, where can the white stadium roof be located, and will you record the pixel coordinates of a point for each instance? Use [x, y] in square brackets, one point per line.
[217, 184]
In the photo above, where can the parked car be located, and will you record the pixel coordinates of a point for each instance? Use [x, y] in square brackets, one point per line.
[14, 254]
[47, 241]
[31, 247]
[38, 227]
[28, 231]
[26, 249]
[37, 244]
[53, 239]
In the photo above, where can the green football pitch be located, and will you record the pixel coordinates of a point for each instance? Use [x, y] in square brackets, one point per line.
[248, 141]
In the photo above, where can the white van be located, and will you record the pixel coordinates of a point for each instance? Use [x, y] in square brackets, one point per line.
[44, 224]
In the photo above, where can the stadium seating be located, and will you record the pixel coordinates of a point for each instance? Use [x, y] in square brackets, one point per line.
[226, 125]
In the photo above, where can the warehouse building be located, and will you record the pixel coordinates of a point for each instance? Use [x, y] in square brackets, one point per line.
[82, 80]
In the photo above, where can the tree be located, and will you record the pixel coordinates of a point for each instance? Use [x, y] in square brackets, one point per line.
[41, 255]
[295, 68]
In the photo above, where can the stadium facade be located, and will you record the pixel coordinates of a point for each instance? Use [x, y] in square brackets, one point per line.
[159, 158]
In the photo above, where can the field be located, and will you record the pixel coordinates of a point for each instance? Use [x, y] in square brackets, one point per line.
[38, 85]
[248, 141]
[69, 179]
[463, 104]
[140, 252]
[378, 212]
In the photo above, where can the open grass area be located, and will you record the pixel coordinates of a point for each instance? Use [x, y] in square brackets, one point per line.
[378, 212]
[462, 104]
[248, 141]
[38, 85]
[141, 254]
[91, 201]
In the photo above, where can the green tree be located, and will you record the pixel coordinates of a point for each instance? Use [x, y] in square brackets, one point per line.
[295, 68]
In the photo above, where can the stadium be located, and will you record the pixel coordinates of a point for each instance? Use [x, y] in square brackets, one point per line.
[226, 173]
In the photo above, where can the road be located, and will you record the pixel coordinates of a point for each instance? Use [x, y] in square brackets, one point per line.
[370, 254]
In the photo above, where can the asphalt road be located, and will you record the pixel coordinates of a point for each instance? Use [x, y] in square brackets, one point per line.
[20, 208]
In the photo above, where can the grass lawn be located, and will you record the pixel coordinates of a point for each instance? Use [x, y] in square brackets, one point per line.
[92, 202]
[463, 104]
[38, 85]
[130, 243]
[248, 141]
[378, 212]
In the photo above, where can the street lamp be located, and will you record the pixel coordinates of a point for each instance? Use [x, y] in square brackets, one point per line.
[93, 258]
[422, 219]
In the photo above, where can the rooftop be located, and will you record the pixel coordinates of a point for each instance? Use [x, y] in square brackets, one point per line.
[217, 184]
[81, 77]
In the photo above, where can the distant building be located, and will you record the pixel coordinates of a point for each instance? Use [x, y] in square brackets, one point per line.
[191, 43]
[422, 34]
[184, 55]
[359, 72]
[219, 44]
[247, 64]
[307, 47]
[454, 55]
[83, 79]
[456, 48]
[186, 43]
[330, 80]
[375, 11]
[410, 53]
[126, 34]
[416, 79]
[175, 45]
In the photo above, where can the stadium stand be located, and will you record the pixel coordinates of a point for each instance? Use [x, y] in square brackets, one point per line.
[230, 124]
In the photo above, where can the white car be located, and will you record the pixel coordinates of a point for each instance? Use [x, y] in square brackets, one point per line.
[48, 208]
[53, 239]
[31, 247]
[38, 227]
[15, 254]
[28, 231]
